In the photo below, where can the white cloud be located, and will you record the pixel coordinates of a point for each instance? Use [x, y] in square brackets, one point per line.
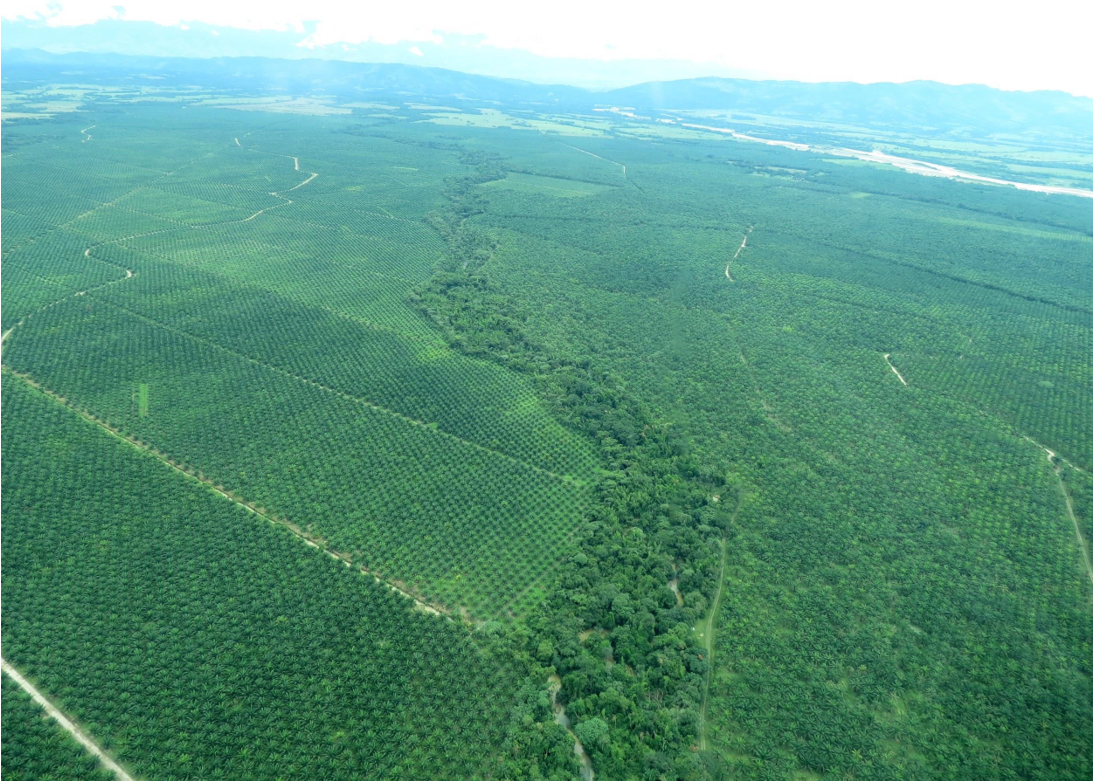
[1014, 45]
[416, 51]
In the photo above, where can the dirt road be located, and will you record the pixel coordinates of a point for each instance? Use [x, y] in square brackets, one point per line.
[71, 727]
[894, 369]
[301, 184]
[741, 248]
[311, 540]
[709, 634]
[585, 151]
[1057, 464]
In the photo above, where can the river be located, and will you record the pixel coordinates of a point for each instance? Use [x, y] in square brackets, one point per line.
[907, 164]
[561, 718]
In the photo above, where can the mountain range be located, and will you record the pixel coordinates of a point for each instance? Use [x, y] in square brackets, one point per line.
[967, 110]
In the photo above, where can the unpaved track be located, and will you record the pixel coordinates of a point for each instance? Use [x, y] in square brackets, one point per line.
[419, 603]
[1052, 456]
[88, 135]
[709, 639]
[71, 727]
[287, 201]
[301, 184]
[1083, 546]
[620, 165]
[312, 540]
[1057, 463]
[894, 369]
[129, 274]
[741, 248]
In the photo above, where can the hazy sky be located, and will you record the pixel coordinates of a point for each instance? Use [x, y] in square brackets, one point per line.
[1012, 45]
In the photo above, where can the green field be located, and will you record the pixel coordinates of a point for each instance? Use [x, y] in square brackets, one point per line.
[357, 439]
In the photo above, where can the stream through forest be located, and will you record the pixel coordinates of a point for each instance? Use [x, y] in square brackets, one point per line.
[561, 718]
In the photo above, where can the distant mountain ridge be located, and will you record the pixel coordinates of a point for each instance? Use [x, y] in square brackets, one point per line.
[928, 104]
[333, 77]
[968, 109]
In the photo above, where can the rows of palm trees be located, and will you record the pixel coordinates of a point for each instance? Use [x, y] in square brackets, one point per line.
[184, 632]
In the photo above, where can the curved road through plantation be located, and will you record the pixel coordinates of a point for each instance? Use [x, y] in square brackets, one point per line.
[741, 248]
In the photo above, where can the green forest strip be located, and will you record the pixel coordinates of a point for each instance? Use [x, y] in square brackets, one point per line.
[632, 670]
[314, 541]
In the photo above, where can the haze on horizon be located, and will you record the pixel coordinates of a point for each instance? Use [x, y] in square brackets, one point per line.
[1013, 46]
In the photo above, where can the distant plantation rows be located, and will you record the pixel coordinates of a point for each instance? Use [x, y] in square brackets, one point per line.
[462, 524]
[420, 380]
[277, 356]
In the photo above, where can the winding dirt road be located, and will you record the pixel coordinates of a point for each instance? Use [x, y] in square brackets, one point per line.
[1083, 546]
[88, 135]
[419, 603]
[287, 201]
[301, 184]
[129, 273]
[67, 724]
[741, 248]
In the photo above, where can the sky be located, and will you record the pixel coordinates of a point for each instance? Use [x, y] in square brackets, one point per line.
[1004, 44]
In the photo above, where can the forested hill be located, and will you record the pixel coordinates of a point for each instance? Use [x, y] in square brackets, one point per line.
[922, 105]
[333, 77]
